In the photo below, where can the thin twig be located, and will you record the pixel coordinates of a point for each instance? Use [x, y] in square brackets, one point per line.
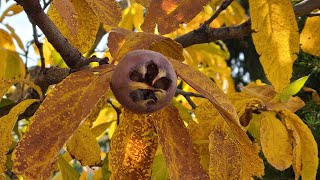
[39, 46]
[118, 110]
[188, 96]
[222, 7]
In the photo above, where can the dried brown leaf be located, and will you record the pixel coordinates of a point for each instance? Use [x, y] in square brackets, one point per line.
[58, 117]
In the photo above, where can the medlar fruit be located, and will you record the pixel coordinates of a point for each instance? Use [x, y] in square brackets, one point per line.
[144, 81]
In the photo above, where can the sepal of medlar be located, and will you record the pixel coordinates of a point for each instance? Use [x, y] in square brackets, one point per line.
[144, 81]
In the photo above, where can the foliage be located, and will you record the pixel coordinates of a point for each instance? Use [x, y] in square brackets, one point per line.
[64, 123]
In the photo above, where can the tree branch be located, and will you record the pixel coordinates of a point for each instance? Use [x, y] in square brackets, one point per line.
[69, 53]
[206, 35]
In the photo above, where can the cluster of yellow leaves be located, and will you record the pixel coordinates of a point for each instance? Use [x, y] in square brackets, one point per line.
[11, 65]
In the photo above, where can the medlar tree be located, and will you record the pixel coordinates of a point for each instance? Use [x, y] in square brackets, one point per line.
[165, 65]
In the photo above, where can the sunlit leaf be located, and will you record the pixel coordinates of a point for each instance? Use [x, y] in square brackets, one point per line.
[169, 14]
[16, 37]
[107, 11]
[275, 141]
[11, 11]
[67, 172]
[68, 14]
[11, 65]
[88, 25]
[84, 147]
[176, 145]
[122, 41]
[133, 147]
[7, 123]
[309, 148]
[292, 89]
[276, 38]
[6, 41]
[309, 37]
[132, 17]
[59, 115]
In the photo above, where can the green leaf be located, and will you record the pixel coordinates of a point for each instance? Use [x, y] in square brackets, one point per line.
[292, 89]
[67, 171]
[159, 168]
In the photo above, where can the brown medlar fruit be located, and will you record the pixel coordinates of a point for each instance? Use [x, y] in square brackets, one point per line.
[144, 81]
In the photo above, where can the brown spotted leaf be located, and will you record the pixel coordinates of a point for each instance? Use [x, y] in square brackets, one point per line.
[68, 13]
[58, 117]
[122, 41]
[84, 147]
[209, 89]
[133, 147]
[108, 11]
[225, 155]
[168, 14]
[88, 25]
[181, 157]
[7, 123]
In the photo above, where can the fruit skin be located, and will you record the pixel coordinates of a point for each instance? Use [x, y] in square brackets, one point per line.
[121, 84]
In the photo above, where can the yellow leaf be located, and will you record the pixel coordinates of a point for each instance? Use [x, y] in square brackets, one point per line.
[225, 156]
[245, 104]
[122, 41]
[6, 41]
[107, 11]
[10, 11]
[6, 84]
[233, 15]
[7, 123]
[67, 172]
[132, 17]
[59, 115]
[68, 14]
[133, 147]
[275, 141]
[309, 148]
[254, 126]
[88, 25]
[84, 147]
[169, 14]
[176, 145]
[309, 37]
[16, 37]
[11, 65]
[276, 38]
[208, 119]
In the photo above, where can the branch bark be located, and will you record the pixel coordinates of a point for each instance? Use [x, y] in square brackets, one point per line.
[69, 53]
[206, 35]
